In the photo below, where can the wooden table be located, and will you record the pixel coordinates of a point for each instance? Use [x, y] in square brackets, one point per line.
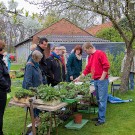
[30, 107]
[111, 80]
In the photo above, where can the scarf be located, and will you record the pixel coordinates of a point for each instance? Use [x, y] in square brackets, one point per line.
[55, 55]
[36, 64]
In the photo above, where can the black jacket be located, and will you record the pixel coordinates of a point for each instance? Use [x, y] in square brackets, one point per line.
[42, 63]
[5, 82]
[55, 71]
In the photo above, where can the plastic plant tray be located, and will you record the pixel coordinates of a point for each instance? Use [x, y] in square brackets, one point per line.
[70, 101]
[72, 125]
[90, 110]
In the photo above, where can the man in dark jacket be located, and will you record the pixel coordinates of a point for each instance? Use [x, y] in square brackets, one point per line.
[5, 84]
[43, 42]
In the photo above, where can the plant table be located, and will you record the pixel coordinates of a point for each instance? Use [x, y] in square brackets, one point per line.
[30, 107]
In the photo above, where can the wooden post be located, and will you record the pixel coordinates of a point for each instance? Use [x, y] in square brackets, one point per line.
[27, 109]
[32, 117]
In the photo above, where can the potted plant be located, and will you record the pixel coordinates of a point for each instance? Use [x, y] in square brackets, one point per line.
[45, 125]
[48, 95]
[23, 95]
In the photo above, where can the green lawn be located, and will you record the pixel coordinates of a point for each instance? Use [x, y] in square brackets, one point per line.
[120, 120]
[15, 66]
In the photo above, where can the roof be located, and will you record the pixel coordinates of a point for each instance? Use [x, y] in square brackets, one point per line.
[24, 41]
[63, 38]
[65, 31]
[63, 27]
[95, 29]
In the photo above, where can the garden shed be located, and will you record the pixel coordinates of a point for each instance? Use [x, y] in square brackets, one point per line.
[64, 33]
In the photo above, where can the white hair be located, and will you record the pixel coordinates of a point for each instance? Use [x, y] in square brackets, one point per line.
[37, 55]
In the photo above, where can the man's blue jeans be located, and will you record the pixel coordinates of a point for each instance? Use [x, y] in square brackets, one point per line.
[131, 80]
[101, 88]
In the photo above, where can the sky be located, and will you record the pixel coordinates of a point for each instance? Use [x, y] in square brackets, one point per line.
[22, 4]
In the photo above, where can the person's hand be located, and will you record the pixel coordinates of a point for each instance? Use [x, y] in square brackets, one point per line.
[101, 79]
[77, 79]
[71, 78]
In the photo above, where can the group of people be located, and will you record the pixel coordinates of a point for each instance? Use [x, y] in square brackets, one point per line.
[54, 69]
[57, 68]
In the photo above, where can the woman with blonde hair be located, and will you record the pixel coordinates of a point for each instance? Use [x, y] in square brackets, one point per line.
[33, 47]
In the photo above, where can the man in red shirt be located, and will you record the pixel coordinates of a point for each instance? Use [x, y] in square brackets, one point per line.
[98, 65]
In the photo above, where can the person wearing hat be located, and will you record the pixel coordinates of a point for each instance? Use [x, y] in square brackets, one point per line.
[5, 84]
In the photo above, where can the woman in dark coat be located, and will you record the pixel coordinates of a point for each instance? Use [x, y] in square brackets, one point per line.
[74, 64]
[55, 68]
[33, 75]
[5, 84]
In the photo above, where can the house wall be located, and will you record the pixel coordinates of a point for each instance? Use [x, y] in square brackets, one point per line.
[113, 47]
[22, 52]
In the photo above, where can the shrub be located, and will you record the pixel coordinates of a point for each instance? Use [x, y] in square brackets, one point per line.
[110, 34]
[115, 63]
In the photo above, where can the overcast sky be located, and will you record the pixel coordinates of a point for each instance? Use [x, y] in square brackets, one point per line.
[25, 5]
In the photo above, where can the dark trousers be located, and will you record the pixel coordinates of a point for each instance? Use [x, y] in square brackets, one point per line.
[3, 99]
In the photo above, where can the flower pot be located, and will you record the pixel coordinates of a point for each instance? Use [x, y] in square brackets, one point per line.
[78, 118]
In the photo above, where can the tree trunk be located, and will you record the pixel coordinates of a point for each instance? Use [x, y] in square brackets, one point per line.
[103, 19]
[125, 75]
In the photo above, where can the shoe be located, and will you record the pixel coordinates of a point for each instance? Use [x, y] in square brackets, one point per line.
[94, 119]
[30, 125]
[99, 123]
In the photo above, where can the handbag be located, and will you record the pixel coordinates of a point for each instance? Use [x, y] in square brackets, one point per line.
[8, 98]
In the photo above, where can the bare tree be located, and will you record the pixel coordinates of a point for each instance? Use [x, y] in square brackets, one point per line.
[81, 18]
[16, 27]
[112, 10]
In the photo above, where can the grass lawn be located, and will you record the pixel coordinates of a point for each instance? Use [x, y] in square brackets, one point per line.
[120, 120]
[15, 66]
